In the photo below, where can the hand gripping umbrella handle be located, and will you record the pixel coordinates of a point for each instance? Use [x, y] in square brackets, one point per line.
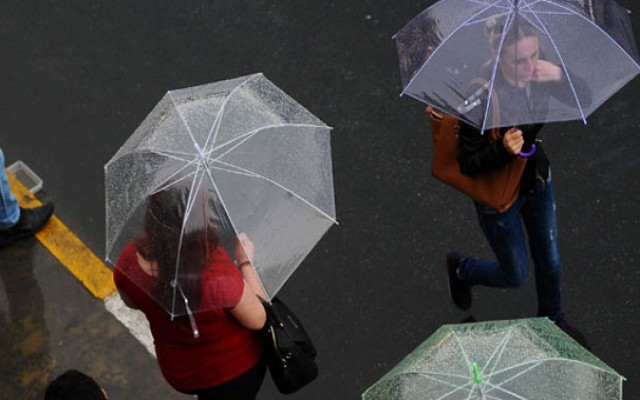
[529, 153]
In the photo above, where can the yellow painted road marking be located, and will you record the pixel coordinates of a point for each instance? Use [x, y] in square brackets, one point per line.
[68, 248]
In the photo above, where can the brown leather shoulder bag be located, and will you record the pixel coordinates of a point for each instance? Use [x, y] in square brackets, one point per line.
[497, 189]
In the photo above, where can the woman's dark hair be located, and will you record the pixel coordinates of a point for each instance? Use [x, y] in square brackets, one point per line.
[518, 30]
[73, 385]
[173, 246]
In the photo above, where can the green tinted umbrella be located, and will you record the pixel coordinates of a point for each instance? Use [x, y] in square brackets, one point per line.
[509, 360]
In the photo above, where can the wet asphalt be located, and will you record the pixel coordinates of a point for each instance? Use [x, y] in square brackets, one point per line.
[78, 77]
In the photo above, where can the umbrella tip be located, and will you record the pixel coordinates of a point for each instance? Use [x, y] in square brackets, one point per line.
[477, 375]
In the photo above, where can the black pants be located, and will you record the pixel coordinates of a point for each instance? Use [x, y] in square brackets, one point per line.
[244, 387]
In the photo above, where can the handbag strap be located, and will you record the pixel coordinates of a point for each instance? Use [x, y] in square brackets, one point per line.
[495, 115]
[272, 315]
[442, 118]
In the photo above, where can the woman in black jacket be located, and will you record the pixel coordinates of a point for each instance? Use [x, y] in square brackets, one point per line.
[524, 84]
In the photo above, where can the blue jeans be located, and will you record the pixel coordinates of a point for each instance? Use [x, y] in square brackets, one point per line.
[505, 234]
[9, 210]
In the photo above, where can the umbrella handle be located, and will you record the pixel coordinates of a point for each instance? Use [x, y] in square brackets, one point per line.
[529, 153]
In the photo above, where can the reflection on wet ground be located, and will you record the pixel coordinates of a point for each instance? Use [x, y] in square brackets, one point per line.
[23, 328]
[49, 323]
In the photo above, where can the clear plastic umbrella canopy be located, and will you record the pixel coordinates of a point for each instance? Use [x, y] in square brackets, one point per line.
[508, 360]
[215, 161]
[545, 60]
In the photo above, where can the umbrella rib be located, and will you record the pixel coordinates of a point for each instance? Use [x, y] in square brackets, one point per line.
[188, 164]
[464, 353]
[184, 121]
[470, 393]
[174, 156]
[487, 4]
[169, 154]
[246, 136]
[521, 11]
[425, 393]
[156, 190]
[133, 208]
[222, 108]
[162, 187]
[426, 10]
[596, 26]
[510, 393]
[168, 185]
[215, 125]
[533, 3]
[444, 374]
[554, 359]
[177, 152]
[495, 67]
[536, 362]
[235, 230]
[233, 172]
[191, 201]
[546, 12]
[499, 350]
[499, 386]
[463, 387]
[477, 21]
[564, 66]
[427, 375]
[462, 117]
[443, 42]
[256, 175]
[182, 228]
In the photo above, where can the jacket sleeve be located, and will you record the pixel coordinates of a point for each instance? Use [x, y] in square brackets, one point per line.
[476, 154]
[560, 90]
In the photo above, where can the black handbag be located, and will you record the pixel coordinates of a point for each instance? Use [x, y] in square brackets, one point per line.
[289, 350]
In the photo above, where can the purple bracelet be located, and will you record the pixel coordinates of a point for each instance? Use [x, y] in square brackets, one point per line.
[528, 153]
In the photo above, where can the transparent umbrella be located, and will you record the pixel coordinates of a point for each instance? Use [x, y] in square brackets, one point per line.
[547, 60]
[233, 157]
[509, 360]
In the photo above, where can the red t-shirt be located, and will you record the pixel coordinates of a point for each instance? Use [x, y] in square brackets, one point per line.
[224, 350]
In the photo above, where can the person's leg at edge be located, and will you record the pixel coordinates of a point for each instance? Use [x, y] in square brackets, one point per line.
[18, 223]
[9, 210]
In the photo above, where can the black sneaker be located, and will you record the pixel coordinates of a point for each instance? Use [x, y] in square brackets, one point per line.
[571, 331]
[459, 290]
[31, 221]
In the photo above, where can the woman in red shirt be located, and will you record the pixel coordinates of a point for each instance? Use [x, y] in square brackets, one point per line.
[214, 351]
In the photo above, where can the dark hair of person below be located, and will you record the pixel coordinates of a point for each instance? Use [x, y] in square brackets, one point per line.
[74, 385]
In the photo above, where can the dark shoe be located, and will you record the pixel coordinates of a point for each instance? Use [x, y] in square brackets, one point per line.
[459, 290]
[31, 221]
[571, 331]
